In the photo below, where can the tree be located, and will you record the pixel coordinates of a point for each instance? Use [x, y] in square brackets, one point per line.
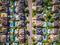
[26, 21]
[33, 43]
[59, 31]
[34, 39]
[26, 3]
[33, 0]
[45, 2]
[0, 4]
[33, 31]
[26, 12]
[34, 25]
[51, 19]
[34, 13]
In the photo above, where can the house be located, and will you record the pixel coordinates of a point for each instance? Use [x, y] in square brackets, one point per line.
[55, 15]
[19, 10]
[55, 1]
[55, 23]
[5, 31]
[39, 9]
[3, 14]
[21, 36]
[3, 38]
[39, 31]
[4, 8]
[55, 8]
[52, 37]
[54, 31]
[4, 21]
[22, 16]
[21, 4]
[39, 16]
[39, 37]
[22, 23]
[38, 2]
[39, 23]
[4, 1]
[22, 1]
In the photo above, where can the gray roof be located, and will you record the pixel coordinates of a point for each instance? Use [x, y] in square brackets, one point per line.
[39, 16]
[55, 8]
[55, 1]
[56, 23]
[38, 2]
[39, 37]
[56, 15]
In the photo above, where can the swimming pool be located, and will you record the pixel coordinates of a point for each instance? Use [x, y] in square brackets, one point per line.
[11, 24]
[49, 23]
[48, 31]
[44, 24]
[11, 37]
[15, 38]
[11, 30]
[15, 43]
[10, 4]
[15, 9]
[10, 10]
[7, 43]
[10, 16]
[39, 43]
[15, 15]
[44, 37]
[49, 7]
[15, 31]
[45, 30]
[44, 14]
[15, 3]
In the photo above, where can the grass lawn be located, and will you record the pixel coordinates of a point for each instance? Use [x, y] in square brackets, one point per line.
[26, 41]
[58, 43]
[33, 31]
[0, 29]
[33, 13]
[44, 41]
[1, 43]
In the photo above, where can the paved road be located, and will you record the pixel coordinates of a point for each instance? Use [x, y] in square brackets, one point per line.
[30, 21]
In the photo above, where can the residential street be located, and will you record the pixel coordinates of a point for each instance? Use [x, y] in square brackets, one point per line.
[30, 22]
